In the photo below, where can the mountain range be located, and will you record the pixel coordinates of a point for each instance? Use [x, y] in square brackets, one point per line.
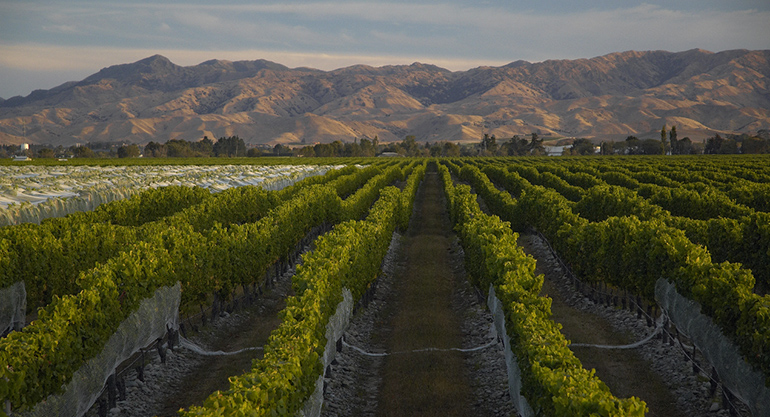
[604, 98]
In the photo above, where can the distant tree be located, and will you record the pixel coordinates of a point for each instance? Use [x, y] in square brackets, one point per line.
[729, 146]
[651, 147]
[674, 143]
[488, 145]
[450, 150]
[82, 152]
[178, 148]
[203, 147]
[130, 151]
[232, 146]
[337, 148]
[582, 146]
[714, 145]
[154, 150]
[45, 153]
[367, 147]
[663, 139]
[685, 147]
[755, 145]
[516, 146]
[351, 149]
[281, 150]
[255, 152]
[322, 150]
[435, 150]
[306, 151]
[633, 146]
[410, 146]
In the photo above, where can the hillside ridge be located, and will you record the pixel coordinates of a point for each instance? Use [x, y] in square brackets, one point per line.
[605, 97]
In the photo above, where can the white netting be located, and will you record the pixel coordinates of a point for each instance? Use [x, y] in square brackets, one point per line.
[734, 373]
[514, 373]
[140, 329]
[30, 194]
[13, 306]
[334, 331]
[60, 207]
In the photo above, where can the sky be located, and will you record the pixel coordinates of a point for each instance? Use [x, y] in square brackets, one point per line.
[46, 43]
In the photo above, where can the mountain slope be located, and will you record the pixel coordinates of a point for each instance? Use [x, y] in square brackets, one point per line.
[607, 97]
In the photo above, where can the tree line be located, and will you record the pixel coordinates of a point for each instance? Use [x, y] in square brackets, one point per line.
[234, 146]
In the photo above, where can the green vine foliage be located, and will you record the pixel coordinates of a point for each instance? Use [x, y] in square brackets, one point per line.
[347, 257]
[553, 379]
[73, 328]
[632, 253]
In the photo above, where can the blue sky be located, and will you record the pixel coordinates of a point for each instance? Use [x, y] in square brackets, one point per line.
[46, 43]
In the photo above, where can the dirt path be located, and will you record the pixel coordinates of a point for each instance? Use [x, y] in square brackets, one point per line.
[212, 373]
[425, 383]
[187, 378]
[624, 371]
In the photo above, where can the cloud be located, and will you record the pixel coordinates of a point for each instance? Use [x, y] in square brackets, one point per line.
[37, 57]
[68, 29]
[85, 36]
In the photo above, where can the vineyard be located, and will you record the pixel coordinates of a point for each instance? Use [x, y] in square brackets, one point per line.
[88, 252]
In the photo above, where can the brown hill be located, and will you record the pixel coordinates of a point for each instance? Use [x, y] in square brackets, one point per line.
[607, 97]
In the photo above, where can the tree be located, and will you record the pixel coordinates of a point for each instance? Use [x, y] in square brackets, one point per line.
[203, 147]
[351, 149]
[410, 146]
[582, 146]
[337, 148]
[450, 150]
[633, 146]
[489, 145]
[154, 150]
[714, 144]
[82, 152]
[536, 146]
[178, 148]
[255, 152]
[729, 146]
[516, 146]
[685, 147]
[755, 145]
[130, 151]
[651, 147]
[281, 150]
[45, 153]
[230, 146]
[368, 147]
[435, 150]
[663, 139]
[674, 143]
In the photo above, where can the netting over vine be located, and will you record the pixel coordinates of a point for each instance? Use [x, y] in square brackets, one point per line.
[144, 326]
[734, 372]
[13, 306]
[334, 331]
[514, 373]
